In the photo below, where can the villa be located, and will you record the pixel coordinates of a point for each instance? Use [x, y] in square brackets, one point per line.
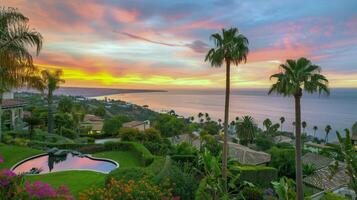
[14, 109]
[140, 125]
[94, 122]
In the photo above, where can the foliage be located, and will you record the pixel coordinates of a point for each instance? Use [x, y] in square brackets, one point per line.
[185, 148]
[32, 122]
[252, 193]
[65, 104]
[128, 190]
[183, 178]
[126, 174]
[283, 160]
[68, 133]
[250, 173]
[169, 125]
[308, 170]
[327, 131]
[131, 134]
[332, 196]
[285, 189]
[246, 130]
[264, 142]
[63, 120]
[210, 143]
[99, 111]
[348, 153]
[212, 184]
[152, 135]
[211, 127]
[162, 147]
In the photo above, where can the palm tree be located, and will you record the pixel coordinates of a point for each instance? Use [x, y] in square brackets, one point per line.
[231, 47]
[50, 82]
[200, 115]
[267, 123]
[315, 129]
[219, 121]
[16, 66]
[246, 130]
[303, 125]
[296, 76]
[327, 131]
[282, 120]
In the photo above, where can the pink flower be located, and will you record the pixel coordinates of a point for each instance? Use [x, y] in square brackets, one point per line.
[1, 159]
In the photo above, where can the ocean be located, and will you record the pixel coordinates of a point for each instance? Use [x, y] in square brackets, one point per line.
[338, 110]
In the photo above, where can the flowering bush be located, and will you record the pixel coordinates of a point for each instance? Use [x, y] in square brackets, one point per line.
[9, 184]
[130, 190]
[39, 190]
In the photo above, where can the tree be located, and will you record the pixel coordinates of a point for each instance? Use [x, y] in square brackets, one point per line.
[32, 122]
[327, 131]
[99, 111]
[303, 125]
[267, 123]
[246, 130]
[169, 125]
[112, 125]
[282, 120]
[298, 76]
[315, 129]
[65, 104]
[348, 153]
[50, 82]
[16, 66]
[231, 47]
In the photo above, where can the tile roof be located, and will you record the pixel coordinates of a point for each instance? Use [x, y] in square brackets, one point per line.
[133, 124]
[323, 180]
[12, 103]
[247, 156]
[317, 160]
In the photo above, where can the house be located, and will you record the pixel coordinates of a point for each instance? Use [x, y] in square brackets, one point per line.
[140, 125]
[247, 156]
[323, 179]
[95, 123]
[282, 139]
[13, 108]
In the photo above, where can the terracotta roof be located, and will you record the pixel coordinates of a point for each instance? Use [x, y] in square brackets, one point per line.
[247, 156]
[282, 139]
[323, 180]
[318, 161]
[97, 126]
[133, 124]
[12, 103]
[91, 118]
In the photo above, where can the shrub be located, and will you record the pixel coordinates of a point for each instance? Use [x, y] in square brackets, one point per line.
[126, 174]
[252, 193]
[139, 190]
[162, 147]
[332, 196]
[284, 161]
[264, 142]
[184, 180]
[152, 135]
[112, 125]
[131, 134]
[250, 173]
[68, 133]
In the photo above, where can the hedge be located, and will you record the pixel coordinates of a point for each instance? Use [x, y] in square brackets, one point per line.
[260, 176]
[144, 155]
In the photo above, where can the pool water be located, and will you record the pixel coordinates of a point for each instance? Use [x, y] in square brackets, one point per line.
[47, 164]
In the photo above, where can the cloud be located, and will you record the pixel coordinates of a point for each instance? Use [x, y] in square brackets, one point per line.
[198, 46]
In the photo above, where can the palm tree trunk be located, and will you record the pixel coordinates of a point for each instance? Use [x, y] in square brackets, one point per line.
[299, 186]
[226, 112]
[50, 113]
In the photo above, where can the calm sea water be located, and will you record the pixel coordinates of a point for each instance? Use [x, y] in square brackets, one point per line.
[338, 110]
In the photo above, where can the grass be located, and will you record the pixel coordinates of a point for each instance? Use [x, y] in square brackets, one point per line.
[76, 181]
[124, 158]
[14, 154]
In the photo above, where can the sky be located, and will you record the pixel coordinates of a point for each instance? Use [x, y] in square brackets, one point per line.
[162, 44]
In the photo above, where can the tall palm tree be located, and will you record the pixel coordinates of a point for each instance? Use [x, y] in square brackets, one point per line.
[50, 82]
[16, 64]
[246, 130]
[282, 120]
[303, 125]
[327, 131]
[267, 123]
[231, 47]
[315, 129]
[298, 76]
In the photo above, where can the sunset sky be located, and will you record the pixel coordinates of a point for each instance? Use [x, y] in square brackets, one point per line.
[161, 44]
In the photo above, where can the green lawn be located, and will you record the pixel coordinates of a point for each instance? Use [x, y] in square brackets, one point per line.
[76, 181]
[124, 158]
[14, 154]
